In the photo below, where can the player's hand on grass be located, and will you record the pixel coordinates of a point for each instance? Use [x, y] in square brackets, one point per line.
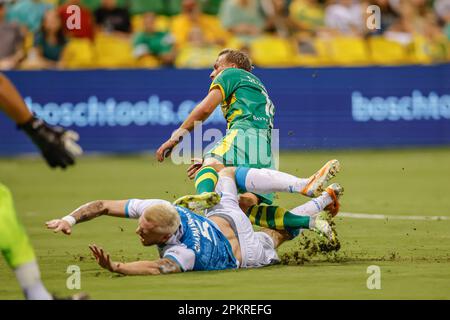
[103, 258]
[58, 146]
[165, 150]
[194, 167]
[59, 225]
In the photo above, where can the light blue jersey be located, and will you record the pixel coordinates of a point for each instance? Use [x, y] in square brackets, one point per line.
[198, 244]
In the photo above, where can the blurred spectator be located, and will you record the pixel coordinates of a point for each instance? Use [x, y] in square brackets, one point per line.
[307, 15]
[153, 42]
[346, 17]
[86, 20]
[49, 43]
[410, 22]
[442, 9]
[111, 18]
[278, 20]
[418, 28]
[198, 52]
[28, 13]
[191, 17]
[389, 16]
[11, 41]
[243, 18]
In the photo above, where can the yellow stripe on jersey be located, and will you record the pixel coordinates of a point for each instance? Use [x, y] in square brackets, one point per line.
[214, 85]
[226, 143]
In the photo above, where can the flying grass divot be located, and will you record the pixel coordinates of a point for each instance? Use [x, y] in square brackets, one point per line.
[311, 245]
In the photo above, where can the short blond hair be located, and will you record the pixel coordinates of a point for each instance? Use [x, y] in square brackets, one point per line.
[164, 217]
[238, 57]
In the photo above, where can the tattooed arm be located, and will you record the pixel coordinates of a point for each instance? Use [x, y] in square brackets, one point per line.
[87, 212]
[161, 266]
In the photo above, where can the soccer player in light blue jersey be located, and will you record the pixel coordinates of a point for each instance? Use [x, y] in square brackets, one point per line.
[224, 239]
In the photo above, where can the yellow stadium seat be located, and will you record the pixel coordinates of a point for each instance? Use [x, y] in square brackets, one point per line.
[78, 53]
[162, 23]
[148, 62]
[137, 23]
[420, 50]
[234, 42]
[349, 51]
[321, 57]
[387, 52]
[271, 51]
[448, 51]
[113, 52]
[197, 57]
[427, 51]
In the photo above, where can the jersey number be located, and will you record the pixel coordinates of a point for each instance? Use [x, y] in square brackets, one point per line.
[270, 108]
[204, 230]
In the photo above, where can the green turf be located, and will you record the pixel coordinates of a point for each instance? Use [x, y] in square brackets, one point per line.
[414, 256]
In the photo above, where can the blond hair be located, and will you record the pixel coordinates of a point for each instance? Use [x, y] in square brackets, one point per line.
[164, 217]
[238, 57]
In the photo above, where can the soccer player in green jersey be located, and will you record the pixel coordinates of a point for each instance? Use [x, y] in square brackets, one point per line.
[249, 112]
[59, 148]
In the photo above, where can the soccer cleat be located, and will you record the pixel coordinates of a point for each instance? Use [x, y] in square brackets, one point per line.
[318, 180]
[322, 227]
[198, 202]
[335, 191]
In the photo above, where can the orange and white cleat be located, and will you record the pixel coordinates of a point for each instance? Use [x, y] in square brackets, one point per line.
[318, 180]
[335, 191]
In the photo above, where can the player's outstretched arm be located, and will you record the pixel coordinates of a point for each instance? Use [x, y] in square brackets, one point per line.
[200, 113]
[161, 266]
[12, 103]
[86, 212]
[57, 145]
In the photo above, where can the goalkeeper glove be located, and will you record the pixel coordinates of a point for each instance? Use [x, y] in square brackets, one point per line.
[58, 146]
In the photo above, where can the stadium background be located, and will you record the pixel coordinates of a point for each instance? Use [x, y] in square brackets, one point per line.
[336, 86]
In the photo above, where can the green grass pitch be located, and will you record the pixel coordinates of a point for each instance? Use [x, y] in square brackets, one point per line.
[414, 256]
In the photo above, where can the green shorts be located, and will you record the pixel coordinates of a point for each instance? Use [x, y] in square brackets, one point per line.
[245, 148]
[14, 243]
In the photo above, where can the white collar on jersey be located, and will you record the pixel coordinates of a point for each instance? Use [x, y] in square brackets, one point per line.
[175, 238]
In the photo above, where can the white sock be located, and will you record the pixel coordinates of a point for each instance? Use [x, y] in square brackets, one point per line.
[313, 206]
[29, 279]
[267, 181]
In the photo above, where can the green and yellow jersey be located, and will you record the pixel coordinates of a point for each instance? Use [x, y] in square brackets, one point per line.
[245, 103]
[249, 113]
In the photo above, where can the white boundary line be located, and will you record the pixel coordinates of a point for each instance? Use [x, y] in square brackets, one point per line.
[389, 217]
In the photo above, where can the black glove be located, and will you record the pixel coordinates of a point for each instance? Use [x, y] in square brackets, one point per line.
[57, 145]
